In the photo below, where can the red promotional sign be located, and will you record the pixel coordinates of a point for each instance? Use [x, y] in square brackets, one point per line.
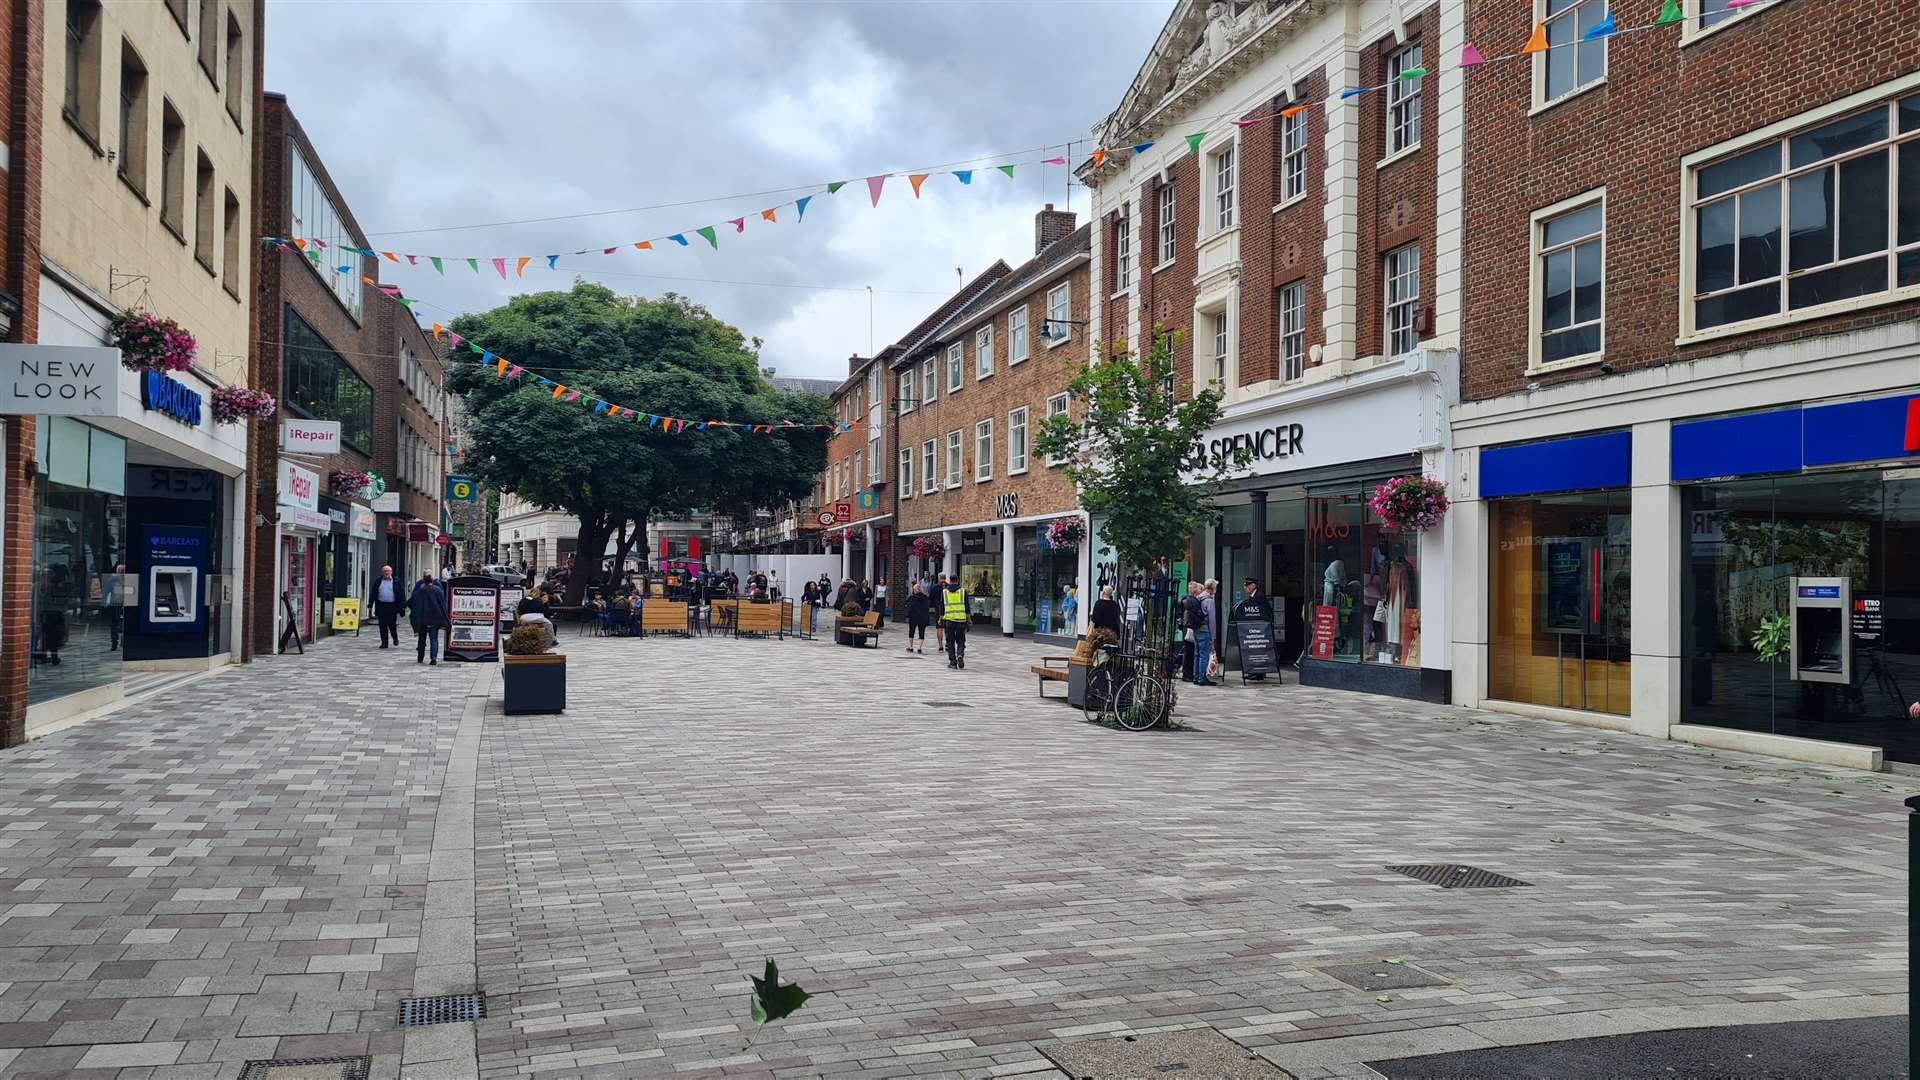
[693, 548]
[1913, 424]
[418, 532]
[1326, 623]
[843, 511]
[663, 547]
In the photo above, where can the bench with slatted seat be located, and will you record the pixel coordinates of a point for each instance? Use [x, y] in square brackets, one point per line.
[761, 619]
[856, 632]
[1047, 671]
[663, 617]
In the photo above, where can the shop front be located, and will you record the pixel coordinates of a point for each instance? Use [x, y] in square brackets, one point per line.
[1015, 579]
[1349, 594]
[305, 548]
[1046, 584]
[980, 574]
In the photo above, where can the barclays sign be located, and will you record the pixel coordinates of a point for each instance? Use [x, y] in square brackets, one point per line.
[163, 395]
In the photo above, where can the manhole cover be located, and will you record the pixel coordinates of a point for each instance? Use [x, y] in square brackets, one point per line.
[946, 705]
[1456, 876]
[333, 1068]
[1382, 976]
[448, 1009]
[1196, 1053]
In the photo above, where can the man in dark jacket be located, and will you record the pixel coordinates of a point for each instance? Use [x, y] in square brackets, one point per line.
[388, 597]
[427, 611]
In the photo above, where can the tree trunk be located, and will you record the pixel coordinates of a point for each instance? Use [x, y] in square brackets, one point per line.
[592, 537]
[624, 542]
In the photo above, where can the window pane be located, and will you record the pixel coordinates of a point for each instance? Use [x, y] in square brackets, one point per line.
[1738, 306]
[1592, 59]
[1733, 172]
[1810, 219]
[1572, 226]
[1863, 206]
[1910, 114]
[1910, 191]
[1560, 33]
[1586, 282]
[106, 462]
[1556, 308]
[1760, 234]
[1909, 270]
[1569, 343]
[1839, 137]
[1839, 283]
[1715, 254]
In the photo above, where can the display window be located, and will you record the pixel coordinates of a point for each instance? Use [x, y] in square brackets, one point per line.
[1363, 583]
[1560, 597]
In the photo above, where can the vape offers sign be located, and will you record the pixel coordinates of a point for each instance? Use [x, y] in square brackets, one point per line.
[59, 380]
[473, 612]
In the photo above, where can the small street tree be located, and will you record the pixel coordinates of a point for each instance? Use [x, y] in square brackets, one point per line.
[1131, 452]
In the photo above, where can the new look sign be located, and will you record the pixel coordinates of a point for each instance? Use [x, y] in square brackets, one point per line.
[59, 380]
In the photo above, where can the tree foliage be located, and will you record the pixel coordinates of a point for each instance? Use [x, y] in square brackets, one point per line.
[668, 356]
[1130, 452]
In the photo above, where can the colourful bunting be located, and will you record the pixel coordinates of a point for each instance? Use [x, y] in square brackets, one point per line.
[965, 176]
[301, 244]
[1670, 13]
[767, 215]
[1292, 111]
[1098, 157]
[553, 260]
[502, 368]
[1470, 56]
[558, 390]
[1244, 124]
[437, 268]
[390, 256]
[1053, 161]
[644, 245]
[1008, 169]
[834, 188]
[475, 263]
[1193, 141]
[436, 331]
[679, 238]
[706, 232]
[1141, 147]
[739, 224]
[603, 251]
[1413, 73]
[1604, 28]
[874, 184]
[1538, 42]
[520, 269]
[800, 207]
[453, 340]
[1353, 92]
[916, 180]
[501, 265]
[413, 260]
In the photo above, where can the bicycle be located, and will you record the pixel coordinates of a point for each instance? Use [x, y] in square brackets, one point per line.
[1123, 691]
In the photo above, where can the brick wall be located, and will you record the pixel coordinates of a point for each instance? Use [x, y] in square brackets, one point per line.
[1166, 292]
[1660, 102]
[1397, 200]
[21, 33]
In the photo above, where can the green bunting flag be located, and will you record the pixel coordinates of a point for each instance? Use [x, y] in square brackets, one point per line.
[707, 231]
[1412, 73]
[1670, 13]
[1193, 141]
[834, 188]
[1008, 169]
[437, 268]
[475, 264]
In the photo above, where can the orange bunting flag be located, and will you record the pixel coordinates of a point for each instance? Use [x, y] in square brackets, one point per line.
[521, 268]
[767, 215]
[368, 280]
[643, 245]
[1098, 157]
[1538, 42]
[301, 244]
[390, 256]
[436, 331]
[1294, 110]
[500, 367]
[613, 410]
[558, 390]
[916, 181]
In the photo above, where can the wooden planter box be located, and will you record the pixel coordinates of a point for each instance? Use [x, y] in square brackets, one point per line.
[535, 684]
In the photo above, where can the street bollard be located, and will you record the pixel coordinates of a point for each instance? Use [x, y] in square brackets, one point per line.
[1913, 903]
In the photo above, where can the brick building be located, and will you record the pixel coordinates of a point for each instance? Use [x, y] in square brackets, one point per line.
[973, 392]
[334, 350]
[857, 484]
[1691, 374]
[1305, 253]
[20, 104]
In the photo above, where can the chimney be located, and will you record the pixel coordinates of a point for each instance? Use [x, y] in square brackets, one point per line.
[1050, 225]
[854, 363]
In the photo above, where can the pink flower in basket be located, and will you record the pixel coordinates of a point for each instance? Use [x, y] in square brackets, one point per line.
[1066, 533]
[927, 548]
[233, 404]
[148, 341]
[1410, 503]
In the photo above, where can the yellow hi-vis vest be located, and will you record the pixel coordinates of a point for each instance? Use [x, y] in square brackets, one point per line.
[954, 607]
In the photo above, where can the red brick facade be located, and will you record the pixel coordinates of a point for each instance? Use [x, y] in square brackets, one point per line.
[21, 33]
[1661, 101]
[851, 405]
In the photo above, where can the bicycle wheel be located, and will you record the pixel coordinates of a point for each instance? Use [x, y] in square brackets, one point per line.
[1099, 694]
[1138, 703]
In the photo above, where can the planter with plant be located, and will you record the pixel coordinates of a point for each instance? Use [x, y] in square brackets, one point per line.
[1410, 503]
[535, 675]
[234, 404]
[1773, 639]
[1066, 533]
[149, 342]
[929, 549]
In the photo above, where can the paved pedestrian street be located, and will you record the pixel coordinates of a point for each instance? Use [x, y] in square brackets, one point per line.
[262, 863]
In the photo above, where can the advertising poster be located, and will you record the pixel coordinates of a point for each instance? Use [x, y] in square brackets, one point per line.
[1326, 626]
[1046, 617]
[1256, 649]
[346, 614]
[1566, 597]
[473, 612]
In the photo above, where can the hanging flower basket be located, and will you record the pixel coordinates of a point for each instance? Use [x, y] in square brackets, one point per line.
[928, 549]
[233, 404]
[149, 342]
[1066, 533]
[1410, 503]
[347, 482]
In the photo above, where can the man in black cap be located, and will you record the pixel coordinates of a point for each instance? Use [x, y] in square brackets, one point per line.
[1253, 607]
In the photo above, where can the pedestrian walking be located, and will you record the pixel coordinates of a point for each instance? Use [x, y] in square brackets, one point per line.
[427, 611]
[919, 613]
[1106, 612]
[937, 601]
[446, 575]
[953, 617]
[880, 602]
[386, 601]
[1203, 637]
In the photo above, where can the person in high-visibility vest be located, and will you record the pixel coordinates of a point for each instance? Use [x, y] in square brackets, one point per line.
[953, 617]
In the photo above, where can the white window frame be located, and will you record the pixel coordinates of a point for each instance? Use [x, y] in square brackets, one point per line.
[956, 458]
[1293, 330]
[1019, 422]
[929, 467]
[1403, 102]
[1060, 312]
[1886, 95]
[1123, 249]
[905, 391]
[1396, 284]
[859, 459]
[1017, 337]
[1572, 52]
[1220, 374]
[1169, 204]
[1058, 405]
[1293, 158]
[1223, 181]
[1692, 30]
[906, 473]
[929, 381]
[1537, 283]
[956, 367]
[983, 353]
[983, 451]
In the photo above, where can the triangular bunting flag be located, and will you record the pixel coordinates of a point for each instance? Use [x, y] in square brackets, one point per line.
[475, 349]
[706, 231]
[437, 268]
[916, 181]
[501, 368]
[573, 395]
[558, 390]
[613, 410]
[1413, 73]
[643, 245]
[1470, 56]
[1193, 142]
[1538, 42]
[1244, 124]
[1354, 92]
[678, 239]
[1670, 13]
[1292, 111]
[1053, 161]
[1008, 169]
[516, 371]
[553, 260]
[599, 406]
[501, 265]
[413, 260]
[608, 251]
[800, 205]
[390, 256]
[301, 244]
[322, 244]
[767, 215]
[453, 340]
[1604, 28]
[965, 176]
[475, 263]
[1098, 157]
[739, 224]
[520, 269]
[436, 331]
[834, 188]
[874, 184]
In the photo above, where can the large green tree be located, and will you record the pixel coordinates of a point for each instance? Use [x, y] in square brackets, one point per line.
[666, 356]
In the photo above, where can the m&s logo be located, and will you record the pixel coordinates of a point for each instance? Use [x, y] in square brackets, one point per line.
[1327, 520]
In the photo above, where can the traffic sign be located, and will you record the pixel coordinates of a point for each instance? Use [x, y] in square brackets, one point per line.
[462, 489]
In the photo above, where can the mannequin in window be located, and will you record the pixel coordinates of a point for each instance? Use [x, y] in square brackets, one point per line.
[1333, 578]
[1398, 595]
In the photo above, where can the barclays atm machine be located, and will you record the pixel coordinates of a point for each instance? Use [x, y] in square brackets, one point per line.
[1821, 644]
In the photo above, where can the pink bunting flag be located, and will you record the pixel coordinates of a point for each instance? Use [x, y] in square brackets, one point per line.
[573, 395]
[1245, 123]
[1053, 161]
[501, 265]
[322, 243]
[874, 184]
[609, 251]
[739, 224]
[1470, 56]
[454, 339]
[515, 371]
[413, 260]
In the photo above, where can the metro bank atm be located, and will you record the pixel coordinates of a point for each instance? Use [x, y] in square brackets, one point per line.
[1822, 649]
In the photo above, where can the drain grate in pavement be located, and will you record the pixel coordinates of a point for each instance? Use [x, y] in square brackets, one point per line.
[447, 1009]
[1456, 876]
[1192, 1052]
[1382, 976]
[333, 1068]
[946, 705]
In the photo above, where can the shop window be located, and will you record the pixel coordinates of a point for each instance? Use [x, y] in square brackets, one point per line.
[1045, 581]
[983, 451]
[1569, 280]
[133, 119]
[1827, 216]
[1559, 601]
[1403, 101]
[319, 384]
[79, 552]
[1293, 331]
[1167, 216]
[1364, 602]
[1570, 61]
[1017, 334]
[1402, 273]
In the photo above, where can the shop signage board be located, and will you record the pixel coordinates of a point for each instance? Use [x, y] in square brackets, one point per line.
[473, 614]
[510, 596]
[1256, 649]
[388, 503]
[161, 482]
[1384, 420]
[1326, 626]
[170, 397]
[419, 532]
[1006, 506]
[462, 489]
[1567, 599]
[1868, 620]
[843, 510]
[869, 500]
[301, 436]
[1046, 617]
[346, 615]
[826, 517]
[299, 487]
[360, 524]
[305, 519]
[59, 380]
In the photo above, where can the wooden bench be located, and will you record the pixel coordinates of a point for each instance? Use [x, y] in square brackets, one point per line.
[1046, 672]
[854, 631]
[663, 617]
[758, 619]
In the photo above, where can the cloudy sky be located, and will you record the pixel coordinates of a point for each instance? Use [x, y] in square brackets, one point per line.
[449, 125]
